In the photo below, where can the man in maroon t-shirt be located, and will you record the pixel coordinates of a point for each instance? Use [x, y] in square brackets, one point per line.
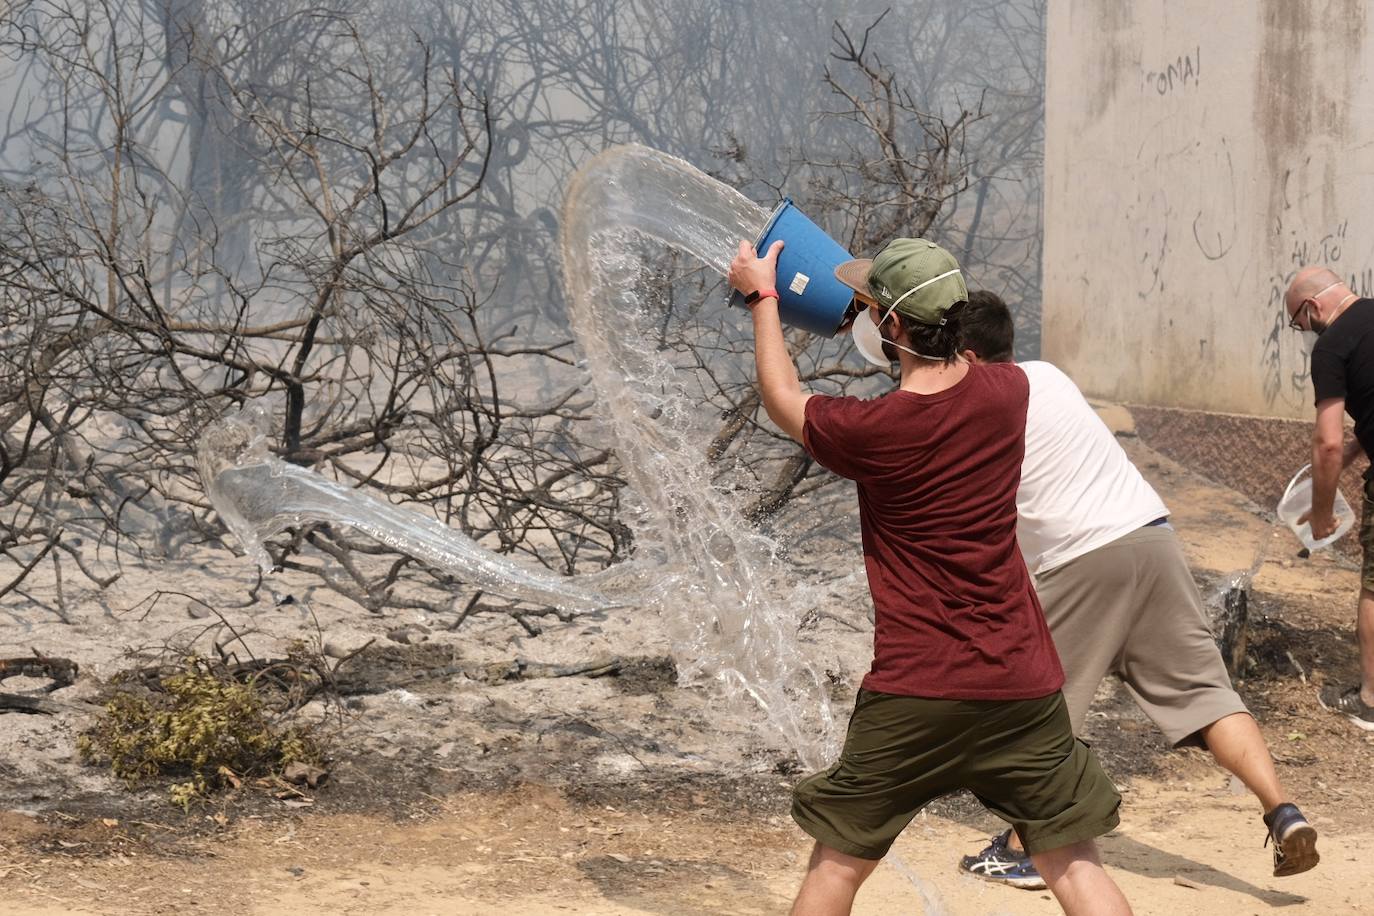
[964, 688]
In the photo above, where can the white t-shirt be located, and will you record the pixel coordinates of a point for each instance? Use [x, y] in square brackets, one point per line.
[1078, 491]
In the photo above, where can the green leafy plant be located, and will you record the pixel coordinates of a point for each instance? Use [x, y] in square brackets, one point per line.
[203, 725]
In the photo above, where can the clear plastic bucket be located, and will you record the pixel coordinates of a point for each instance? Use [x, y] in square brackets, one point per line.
[1297, 499]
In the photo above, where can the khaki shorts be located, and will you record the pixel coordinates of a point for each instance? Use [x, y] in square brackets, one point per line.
[1019, 757]
[1367, 537]
[1131, 608]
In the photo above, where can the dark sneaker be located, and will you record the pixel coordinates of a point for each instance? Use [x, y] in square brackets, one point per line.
[1295, 840]
[1349, 704]
[1003, 865]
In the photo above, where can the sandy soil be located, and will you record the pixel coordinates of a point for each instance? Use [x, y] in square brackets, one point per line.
[1186, 848]
[457, 792]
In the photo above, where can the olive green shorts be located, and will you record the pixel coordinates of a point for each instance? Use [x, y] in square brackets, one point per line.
[1367, 537]
[1018, 757]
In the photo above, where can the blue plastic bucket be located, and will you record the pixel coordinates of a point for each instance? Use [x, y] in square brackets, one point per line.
[809, 296]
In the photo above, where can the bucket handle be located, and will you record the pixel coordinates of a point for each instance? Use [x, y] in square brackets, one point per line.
[1292, 483]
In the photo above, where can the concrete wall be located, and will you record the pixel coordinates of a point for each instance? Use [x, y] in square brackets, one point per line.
[1197, 152]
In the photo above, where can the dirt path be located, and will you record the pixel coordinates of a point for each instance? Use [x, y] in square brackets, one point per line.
[1189, 848]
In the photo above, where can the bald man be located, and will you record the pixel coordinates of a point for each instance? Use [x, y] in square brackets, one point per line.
[1343, 376]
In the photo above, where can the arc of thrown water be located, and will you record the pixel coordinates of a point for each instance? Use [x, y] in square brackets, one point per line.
[732, 615]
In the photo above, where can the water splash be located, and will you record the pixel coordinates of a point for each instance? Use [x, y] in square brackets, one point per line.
[1229, 606]
[258, 495]
[736, 615]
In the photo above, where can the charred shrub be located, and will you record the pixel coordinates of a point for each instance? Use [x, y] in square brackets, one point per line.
[203, 728]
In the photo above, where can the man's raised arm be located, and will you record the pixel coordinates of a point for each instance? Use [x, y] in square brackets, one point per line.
[779, 386]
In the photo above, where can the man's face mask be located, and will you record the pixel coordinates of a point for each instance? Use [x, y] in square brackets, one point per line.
[868, 340]
[874, 347]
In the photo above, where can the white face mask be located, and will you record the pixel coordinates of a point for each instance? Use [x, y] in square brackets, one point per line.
[868, 340]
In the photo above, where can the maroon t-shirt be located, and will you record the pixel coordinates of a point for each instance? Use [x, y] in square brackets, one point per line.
[956, 613]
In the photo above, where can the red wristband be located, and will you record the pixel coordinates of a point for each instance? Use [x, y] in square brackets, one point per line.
[758, 294]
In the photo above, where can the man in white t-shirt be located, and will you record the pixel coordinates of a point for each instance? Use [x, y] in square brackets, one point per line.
[1118, 596]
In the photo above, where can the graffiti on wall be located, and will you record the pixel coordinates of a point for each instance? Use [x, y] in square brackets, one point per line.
[1177, 75]
[1216, 226]
[1207, 205]
[1283, 381]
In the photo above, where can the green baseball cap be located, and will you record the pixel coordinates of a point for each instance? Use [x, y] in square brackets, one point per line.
[917, 276]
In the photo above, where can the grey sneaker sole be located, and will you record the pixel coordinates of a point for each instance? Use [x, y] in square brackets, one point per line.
[1359, 723]
[1299, 852]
